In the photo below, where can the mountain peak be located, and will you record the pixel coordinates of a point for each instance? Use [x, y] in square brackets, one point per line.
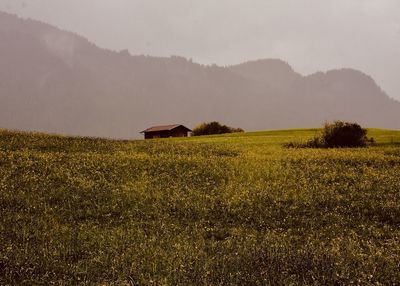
[265, 66]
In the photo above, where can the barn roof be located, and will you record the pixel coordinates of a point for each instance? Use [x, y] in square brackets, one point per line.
[164, 128]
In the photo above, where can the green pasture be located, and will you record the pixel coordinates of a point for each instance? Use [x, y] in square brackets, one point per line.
[234, 209]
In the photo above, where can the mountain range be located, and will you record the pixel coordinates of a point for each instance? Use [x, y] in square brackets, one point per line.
[59, 82]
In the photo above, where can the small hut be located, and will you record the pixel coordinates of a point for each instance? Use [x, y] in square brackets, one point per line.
[166, 131]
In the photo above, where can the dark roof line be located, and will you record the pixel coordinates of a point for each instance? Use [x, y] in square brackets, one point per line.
[164, 128]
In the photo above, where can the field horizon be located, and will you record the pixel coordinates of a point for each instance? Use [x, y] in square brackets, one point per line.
[235, 209]
[306, 131]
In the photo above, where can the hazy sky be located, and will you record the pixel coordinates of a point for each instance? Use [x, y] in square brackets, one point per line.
[311, 35]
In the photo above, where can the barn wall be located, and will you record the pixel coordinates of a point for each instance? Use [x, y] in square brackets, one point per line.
[177, 132]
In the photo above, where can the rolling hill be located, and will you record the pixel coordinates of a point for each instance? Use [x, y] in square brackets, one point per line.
[55, 81]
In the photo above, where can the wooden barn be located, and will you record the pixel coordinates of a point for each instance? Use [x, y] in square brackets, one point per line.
[166, 131]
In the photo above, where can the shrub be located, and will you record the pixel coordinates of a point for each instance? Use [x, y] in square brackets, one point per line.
[344, 134]
[214, 127]
[236, 130]
[312, 143]
[338, 134]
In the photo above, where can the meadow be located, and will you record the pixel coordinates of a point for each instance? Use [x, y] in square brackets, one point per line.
[219, 210]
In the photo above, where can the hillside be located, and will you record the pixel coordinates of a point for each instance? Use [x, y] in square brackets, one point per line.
[55, 81]
[219, 210]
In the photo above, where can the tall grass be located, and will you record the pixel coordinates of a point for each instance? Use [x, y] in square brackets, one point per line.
[223, 210]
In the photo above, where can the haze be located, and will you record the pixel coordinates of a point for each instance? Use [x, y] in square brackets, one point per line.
[312, 35]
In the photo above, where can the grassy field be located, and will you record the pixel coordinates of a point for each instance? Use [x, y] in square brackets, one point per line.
[223, 210]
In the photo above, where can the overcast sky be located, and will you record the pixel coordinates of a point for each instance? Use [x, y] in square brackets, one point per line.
[311, 35]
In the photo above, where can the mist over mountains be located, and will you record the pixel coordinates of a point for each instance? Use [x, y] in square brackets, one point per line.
[56, 81]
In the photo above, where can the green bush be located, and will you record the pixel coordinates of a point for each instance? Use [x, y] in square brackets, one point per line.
[214, 127]
[338, 134]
